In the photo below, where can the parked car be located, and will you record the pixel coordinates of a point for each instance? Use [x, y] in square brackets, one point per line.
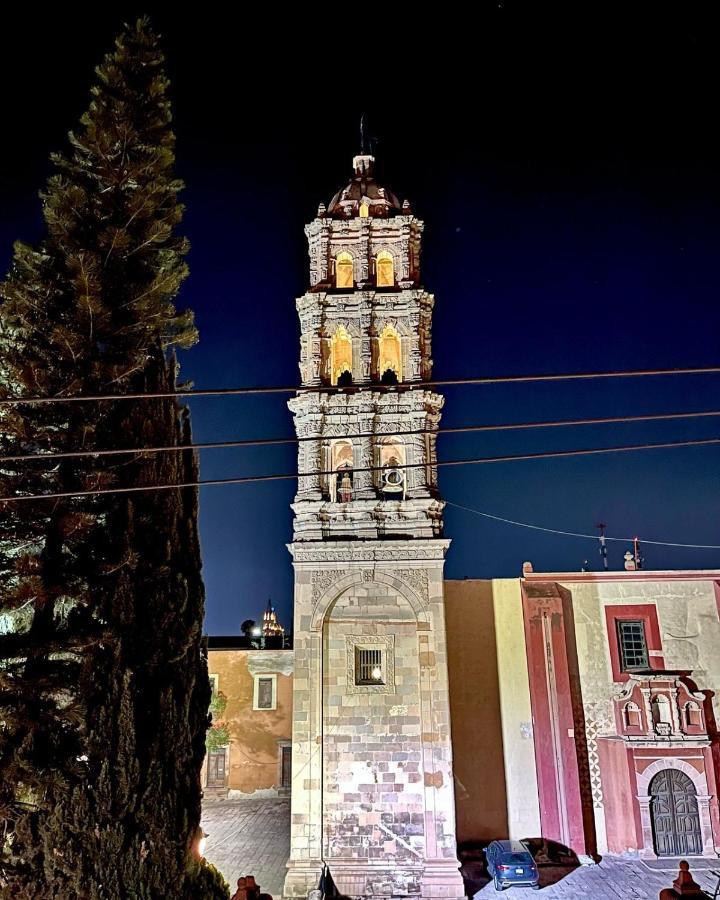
[510, 863]
[551, 853]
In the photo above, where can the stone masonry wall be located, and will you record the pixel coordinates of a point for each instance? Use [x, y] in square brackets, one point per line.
[373, 801]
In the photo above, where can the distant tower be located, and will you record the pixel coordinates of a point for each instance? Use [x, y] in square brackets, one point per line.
[372, 784]
[270, 625]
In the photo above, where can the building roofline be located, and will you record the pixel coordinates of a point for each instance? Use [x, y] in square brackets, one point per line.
[238, 642]
[638, 575]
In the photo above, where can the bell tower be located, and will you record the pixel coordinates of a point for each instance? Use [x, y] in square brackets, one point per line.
[372, 782]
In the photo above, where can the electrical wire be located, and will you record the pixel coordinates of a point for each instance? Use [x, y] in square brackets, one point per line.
[285, 477]
[576, 534]
[353, 389]
[265, 442]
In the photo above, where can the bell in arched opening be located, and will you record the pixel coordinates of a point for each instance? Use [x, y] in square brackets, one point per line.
[392, 475]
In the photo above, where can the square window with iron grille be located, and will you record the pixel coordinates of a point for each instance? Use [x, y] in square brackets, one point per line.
[369, 668]
[633, 646]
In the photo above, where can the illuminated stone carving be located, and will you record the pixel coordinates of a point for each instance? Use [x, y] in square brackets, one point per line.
[368, 555]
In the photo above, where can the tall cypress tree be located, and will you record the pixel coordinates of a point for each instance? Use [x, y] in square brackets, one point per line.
[103, 682]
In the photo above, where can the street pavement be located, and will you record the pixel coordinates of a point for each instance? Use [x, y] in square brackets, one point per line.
[252, 837]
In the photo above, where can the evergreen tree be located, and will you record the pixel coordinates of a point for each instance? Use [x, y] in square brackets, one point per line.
[103, 681]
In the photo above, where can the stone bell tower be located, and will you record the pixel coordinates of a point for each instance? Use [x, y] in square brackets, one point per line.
[372, 781]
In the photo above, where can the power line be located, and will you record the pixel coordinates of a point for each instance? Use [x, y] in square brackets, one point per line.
[284, 477]
[575, 534]
[265, 442]
[354, 389]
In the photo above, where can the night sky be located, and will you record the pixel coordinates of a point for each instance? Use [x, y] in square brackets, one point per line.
[567, 169]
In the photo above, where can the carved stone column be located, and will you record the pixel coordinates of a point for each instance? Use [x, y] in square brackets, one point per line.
[364, 481]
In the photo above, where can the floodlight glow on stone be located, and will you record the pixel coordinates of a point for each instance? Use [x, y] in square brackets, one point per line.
[376, 673]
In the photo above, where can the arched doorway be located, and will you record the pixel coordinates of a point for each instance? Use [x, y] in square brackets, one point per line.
[674, 812]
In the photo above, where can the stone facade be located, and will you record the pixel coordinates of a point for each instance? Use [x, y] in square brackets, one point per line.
[372, 782]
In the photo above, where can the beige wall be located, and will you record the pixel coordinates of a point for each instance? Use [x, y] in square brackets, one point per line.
[480, 791]
[515, 711]
[254, 734]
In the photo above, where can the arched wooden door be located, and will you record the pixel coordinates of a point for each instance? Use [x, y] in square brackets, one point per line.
[674, 811]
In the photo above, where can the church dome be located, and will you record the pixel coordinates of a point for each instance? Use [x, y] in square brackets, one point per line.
[363, 196]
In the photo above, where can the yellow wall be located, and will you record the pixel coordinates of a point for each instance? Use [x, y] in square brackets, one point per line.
[254, 734]
[515, 711]
[480, 794]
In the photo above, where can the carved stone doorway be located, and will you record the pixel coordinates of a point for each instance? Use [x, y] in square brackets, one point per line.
[674, 812]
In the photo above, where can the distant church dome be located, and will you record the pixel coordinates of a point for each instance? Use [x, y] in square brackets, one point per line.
[363, 196]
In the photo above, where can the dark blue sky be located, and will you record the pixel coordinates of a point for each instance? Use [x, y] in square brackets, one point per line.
[567, 170]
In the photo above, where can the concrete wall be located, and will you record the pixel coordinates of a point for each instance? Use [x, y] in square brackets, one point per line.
[253, 765]
[479, 765]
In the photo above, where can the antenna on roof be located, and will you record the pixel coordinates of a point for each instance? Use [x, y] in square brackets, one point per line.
[601, 526]
[362, 134]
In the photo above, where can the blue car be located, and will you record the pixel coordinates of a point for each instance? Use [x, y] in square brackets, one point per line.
[509, 863]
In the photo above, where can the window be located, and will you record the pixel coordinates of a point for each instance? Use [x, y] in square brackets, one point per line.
[265, 692]
[214, 683]
[645, 631]
[344, 270]
[369, 666]
[633, 646]
[364, 210]
[341, 362]
[390, 356]
[385, 269]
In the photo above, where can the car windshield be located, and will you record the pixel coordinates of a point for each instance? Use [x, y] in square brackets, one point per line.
[515, 858]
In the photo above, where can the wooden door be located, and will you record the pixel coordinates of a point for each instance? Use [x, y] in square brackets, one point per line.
[216, 769]
[286, 767]
[674, 811]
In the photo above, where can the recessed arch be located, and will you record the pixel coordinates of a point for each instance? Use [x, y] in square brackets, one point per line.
[342, 464]
[344, 270]
[385, 269]
[341, 359]
[327, 599]
[390, 353]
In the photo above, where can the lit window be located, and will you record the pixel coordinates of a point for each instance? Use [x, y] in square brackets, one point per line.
[385, 269]
[390, 356]
[633, 646]
[265, 692]
[369, 666]
[341, 362]
[341, 463]
[364, 210]
[343, 270]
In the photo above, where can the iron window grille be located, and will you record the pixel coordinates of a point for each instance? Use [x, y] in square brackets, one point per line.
[633, 646]
[369, 666]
